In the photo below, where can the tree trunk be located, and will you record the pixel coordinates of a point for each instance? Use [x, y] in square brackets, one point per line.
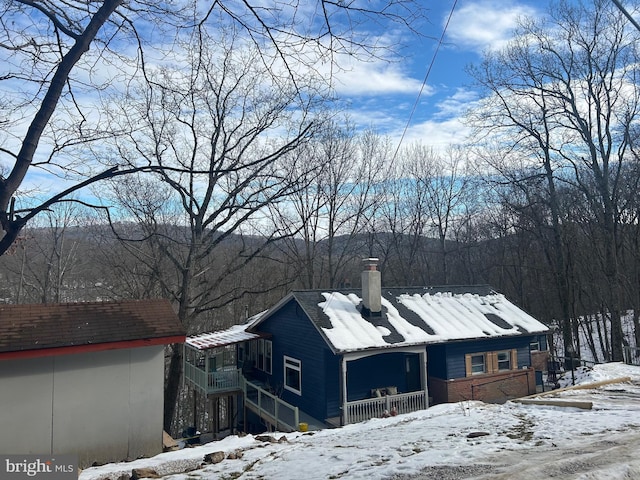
[172, 386]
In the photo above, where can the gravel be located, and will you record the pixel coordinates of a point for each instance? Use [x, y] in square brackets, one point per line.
[445, 472]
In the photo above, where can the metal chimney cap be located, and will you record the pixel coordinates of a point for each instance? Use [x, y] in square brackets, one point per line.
[370, 263]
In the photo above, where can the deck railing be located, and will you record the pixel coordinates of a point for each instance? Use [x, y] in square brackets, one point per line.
[361, 410]
[282, 415]
[213, 382]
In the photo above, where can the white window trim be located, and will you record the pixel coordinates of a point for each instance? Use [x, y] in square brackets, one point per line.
[296, 365]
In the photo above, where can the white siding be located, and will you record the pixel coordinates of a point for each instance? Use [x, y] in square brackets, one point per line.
[104, 406]
[26, 399]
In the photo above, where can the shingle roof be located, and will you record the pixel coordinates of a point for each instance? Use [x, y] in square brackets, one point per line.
[414, 316]
[40, 327]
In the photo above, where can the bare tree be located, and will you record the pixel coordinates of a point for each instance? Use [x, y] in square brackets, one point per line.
[329, 218]
[563, 97]
[422, 201]
[50, 263]
[45, 48]
[42, 52]
[401, 226]
[441, 187]
[215, 131]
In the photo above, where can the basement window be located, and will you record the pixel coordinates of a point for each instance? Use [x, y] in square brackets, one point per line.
[293, 375]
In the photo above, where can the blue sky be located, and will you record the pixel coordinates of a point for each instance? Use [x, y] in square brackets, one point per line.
[382, 95]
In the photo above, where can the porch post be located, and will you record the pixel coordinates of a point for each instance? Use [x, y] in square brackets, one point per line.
[345, 413]
[423, 376]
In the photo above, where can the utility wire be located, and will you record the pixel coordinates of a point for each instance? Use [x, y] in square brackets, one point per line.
[426, 77]
[435, 54]
[626, 14]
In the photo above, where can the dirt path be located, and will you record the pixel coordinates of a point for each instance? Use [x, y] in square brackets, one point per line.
[603, 459]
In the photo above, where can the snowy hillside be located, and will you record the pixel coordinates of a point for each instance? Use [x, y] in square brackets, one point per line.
[452, 441]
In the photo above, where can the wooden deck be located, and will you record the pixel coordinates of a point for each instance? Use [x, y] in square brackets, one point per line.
[222, 381]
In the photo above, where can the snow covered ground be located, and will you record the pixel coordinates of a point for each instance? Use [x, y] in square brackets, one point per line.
[451, 441]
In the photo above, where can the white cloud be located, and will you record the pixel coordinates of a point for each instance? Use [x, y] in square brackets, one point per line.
[486, 24]
[457, 104]
[372, 78]
[437, 134]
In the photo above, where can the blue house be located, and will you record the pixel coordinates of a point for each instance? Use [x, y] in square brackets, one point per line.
[340, 357]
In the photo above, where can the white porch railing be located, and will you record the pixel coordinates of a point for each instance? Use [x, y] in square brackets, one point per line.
[282, 415]
[213, 382]
[361, 410]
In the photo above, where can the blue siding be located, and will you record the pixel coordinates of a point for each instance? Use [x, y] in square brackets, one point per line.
[543, 342]
[437, 361]
[295, 336]
[454, 354]
[333, 380]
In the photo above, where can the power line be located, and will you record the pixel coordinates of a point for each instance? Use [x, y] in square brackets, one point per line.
[426, 77]
[626, 14]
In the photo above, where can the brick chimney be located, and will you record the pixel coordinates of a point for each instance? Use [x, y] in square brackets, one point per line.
[371, 288]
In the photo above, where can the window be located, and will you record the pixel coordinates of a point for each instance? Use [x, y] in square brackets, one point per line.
[260, 362]
[263, 355]
[534, 346]
[267, 356]
[491, 362]
[253, 353]
[292, 375]
[264, 361]
[504, 360]
[477, 364]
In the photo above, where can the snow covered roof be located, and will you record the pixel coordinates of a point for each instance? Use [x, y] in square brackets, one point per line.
[234, 334]
[415, 316]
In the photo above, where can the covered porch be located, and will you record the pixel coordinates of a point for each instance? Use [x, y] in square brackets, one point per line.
[220, 368]
[212, 371]
[383, 383]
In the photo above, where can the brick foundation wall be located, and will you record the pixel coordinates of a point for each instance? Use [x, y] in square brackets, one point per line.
[494, 388]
